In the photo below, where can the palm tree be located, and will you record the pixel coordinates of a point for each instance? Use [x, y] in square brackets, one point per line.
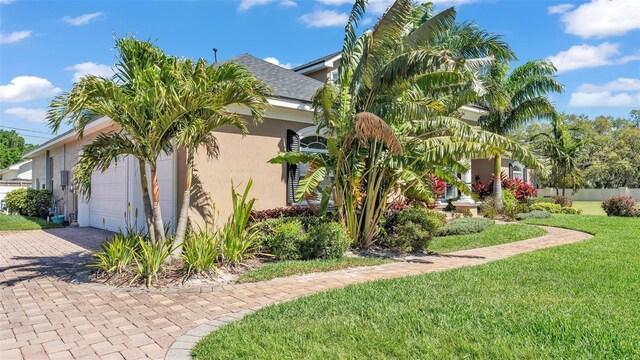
[138, 100]
[563, 151]
[206, 92]
[513, 99]
[392, 116]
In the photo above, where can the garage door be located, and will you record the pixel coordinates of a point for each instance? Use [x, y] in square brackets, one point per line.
[118, 188]
[108, 202]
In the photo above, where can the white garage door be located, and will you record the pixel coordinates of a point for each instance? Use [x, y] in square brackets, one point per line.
[118, 189]
[108, 202]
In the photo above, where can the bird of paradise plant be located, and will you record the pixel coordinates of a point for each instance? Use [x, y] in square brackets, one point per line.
[392, 117]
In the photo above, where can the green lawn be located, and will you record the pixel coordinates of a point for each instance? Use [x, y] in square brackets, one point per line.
[494, 235]
[577, 301]
[17, 222]
[288, 268]
[590, 207]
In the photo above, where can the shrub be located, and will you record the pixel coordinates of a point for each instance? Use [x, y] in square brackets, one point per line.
[535, 214]
[570, 210]
[408, 237]
[411, 229]
[521, 189]
[488, 209]
[511, 206]
[286, 240]
[563, 201]
[552, 208]
[150, 257]
[16, 201]
[200, 252]
[118, 253]
[286, 212]
[326, 241]
[29, 202]
[620, 206]
[38, 202]
[465, 226]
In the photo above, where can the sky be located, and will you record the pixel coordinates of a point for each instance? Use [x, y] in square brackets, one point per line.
[47, 45]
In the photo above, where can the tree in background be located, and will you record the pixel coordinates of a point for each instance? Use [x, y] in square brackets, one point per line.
[608, 157]
[563, 150]
[12, 147]
[611, 156]
[513, 99]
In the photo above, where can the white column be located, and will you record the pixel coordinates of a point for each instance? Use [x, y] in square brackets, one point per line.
[466, 178]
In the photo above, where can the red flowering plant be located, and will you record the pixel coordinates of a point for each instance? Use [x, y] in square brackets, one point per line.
[483, 190]
[438, 187]
[521, 189]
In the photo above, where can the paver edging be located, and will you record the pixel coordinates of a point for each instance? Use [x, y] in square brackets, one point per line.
[181, 348]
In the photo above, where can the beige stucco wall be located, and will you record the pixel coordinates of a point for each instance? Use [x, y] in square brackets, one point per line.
[484, 169]
[241, 158]
[321, 75]
[64, 158]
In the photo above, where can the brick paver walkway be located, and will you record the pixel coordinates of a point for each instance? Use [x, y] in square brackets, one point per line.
[48, 311]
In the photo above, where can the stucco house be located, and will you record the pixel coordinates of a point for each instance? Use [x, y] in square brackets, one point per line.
[19, 171]
[14, 177]
[288, 125]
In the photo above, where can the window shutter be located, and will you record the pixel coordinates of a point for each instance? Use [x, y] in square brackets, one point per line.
[510, 171]
[293, 173]
[524, 174]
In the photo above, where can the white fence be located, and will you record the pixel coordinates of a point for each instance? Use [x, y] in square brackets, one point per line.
[593, 194]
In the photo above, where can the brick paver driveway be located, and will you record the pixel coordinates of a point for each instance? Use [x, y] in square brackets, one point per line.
[47, 310]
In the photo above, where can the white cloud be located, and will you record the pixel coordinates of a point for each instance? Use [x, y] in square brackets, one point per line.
[588, 56]
[89, 68]
[621, 92]
[248, 4]
[604, 99]
[25, 88]
[379, 6]
[619, 84]
[560, 9]
[288, 3]
[275, 61]
[82, 19]
[602, 18]
[14, 37]
[33, 115]
[324, 18]
[5, 2]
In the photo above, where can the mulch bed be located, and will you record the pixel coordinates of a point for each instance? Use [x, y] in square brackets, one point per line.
[173, 275]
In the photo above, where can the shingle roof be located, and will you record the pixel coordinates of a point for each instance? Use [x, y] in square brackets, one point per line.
[284, 82]
[317, 61]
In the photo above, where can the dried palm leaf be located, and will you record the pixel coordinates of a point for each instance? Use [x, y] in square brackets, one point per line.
[369, 126]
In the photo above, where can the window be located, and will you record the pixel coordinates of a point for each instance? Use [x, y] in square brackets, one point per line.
[334, 75]
[518, 171]
[317, 145]
[311, 142]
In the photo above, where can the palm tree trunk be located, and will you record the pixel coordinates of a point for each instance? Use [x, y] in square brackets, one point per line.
[146, 200]
[157, 212]
[497, 181]
[181, 228]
